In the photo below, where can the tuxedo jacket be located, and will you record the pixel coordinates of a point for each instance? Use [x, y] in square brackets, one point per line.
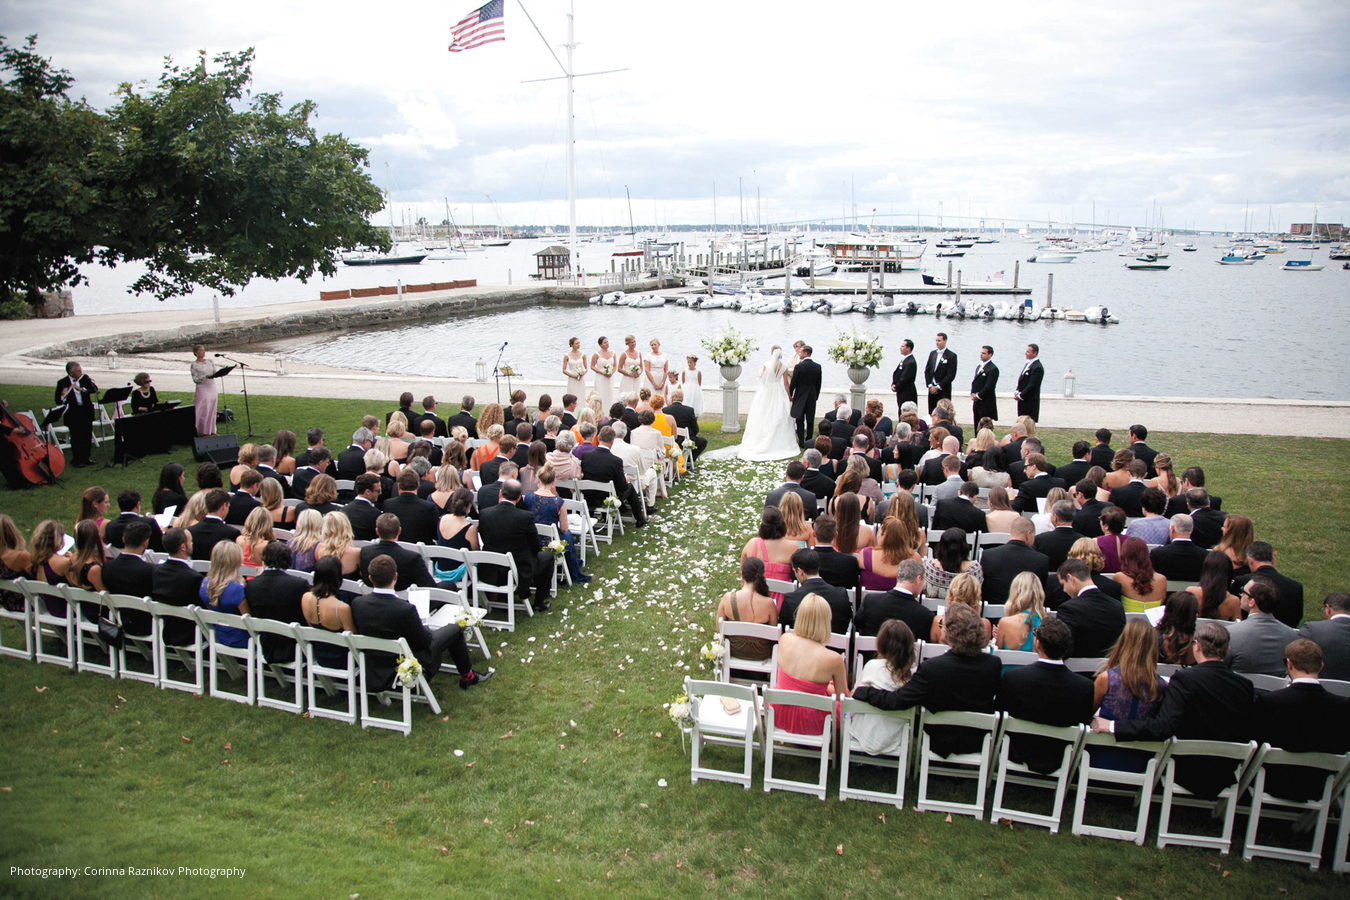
[1302, 718]
[1088, 520]
[176, 583]
[1102, 455]
[1029, 389]
[1208, 527]
[1147, 454]
[487, 473]
[1073, 472]
[1177, 505]
[463, 420]
[1017, 471]
[1290, 608]
[351, 464]
[269, 472]
[488, 495]
[1127, 498]
[684, 417]
[133, 576]
[601, 464]
[1179, 560]
[1047, 693]
[841, 607]
[931, 473]
[362, 514]
[241, 504]
[902, 380]
[1096, 620]
[940, 371]
[804, 388]
[85, 410]
[300, 480]
[982, 386]
[959, 513]
[1055, 597]
[1034, 489]
[1333, 636]
[386, 616]
[417, 517]
[274, 595]
[839, 569]
[1256, 645]
[854, 420]
[1012, 455]
[808, 498]
[113, 531]
[818, 483]
[947, 682]
[209, 532]
[878, 607]
[1002, 564]
[630, 418]
[440, 432]
[412, 569]
[1056, 544]
[506, 528]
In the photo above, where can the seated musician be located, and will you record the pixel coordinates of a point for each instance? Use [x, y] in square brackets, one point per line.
[143, 399]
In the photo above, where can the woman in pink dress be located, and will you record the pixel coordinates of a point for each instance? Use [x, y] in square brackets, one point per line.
[805, 664]
[773, 546]
[204, 403]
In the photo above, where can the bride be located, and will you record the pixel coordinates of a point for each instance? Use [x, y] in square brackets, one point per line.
[770, 432]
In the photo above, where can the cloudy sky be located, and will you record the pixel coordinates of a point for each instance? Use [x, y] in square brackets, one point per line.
[1009, 112]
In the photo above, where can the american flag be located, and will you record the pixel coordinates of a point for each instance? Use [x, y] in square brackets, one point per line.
[482, 26]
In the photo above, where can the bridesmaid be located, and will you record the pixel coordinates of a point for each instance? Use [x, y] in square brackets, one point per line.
[630, 368]
[656, 368]
[604, 364]
[574, 368]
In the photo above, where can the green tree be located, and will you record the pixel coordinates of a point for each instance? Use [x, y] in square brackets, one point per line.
[206, 182]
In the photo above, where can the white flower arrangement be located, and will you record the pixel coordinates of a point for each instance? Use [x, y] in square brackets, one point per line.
[681, 712]
[606, 367]
[613, 503]
[558, 547]
[633, 367]
[728, 347]
[467, 620]
[858, 351]
[409, 670]
[577, 368]
[715, 653]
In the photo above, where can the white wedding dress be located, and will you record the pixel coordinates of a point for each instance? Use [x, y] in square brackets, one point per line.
[770, 432]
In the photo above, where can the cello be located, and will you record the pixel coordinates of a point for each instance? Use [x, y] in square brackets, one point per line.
[38, 461]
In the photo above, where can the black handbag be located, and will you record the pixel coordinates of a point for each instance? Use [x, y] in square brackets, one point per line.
[109, 632]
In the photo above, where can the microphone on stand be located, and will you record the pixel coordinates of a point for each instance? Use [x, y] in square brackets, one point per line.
[220, 354]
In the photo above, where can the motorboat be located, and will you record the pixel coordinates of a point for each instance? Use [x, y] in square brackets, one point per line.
[1052, 256]
[1148, 263]
[951, 253]
[1234, 257]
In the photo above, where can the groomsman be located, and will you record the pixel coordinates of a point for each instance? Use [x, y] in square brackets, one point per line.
[902, 381]
[939, 373]
[1028, 393]
[984, 401]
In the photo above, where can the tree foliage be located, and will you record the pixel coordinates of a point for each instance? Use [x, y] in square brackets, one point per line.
[207, 183]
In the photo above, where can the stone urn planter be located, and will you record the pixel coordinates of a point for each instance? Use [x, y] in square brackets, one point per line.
[731, 396]
[858, 393]
[731, 373]
[858, 374]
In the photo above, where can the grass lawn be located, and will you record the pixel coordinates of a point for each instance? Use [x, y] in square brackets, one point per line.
[557, 791]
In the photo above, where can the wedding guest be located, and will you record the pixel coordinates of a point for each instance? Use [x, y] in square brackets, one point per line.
[169, 492]
[749, 603]
[1022, 614]
[223, 591]
[1217, 601]
[1176, 630]
[806, 664]
[305, 540]
[337, 542]
[284, 442]
[889, 671]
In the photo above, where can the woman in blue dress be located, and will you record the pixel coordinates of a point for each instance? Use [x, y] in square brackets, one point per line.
[549, 509]
[223, 591]
[1022, 614]
[1127, 688]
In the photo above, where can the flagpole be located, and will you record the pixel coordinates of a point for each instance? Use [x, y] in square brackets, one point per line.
[571, 156]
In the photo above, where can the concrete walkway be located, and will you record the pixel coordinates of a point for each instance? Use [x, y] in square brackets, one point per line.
[25, 348]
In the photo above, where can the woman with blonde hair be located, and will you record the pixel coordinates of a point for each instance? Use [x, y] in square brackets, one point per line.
[492, 414]
[867, 485]
[965, 591]
[1128, 688]
[248, 459]
[984, 440]
[1167, 481]
[1238, 534]
[1001, 515]
[889, 671]
[1119, 476]
[794, 519]
[591, 417]
[488, 451]
[223, 590]
[447, 482]
[396, 433]
[1023, 613]
[305, 541]
[256, 535]
[336, 540]
[272, 499]
[805, 664]
[380, 461]
[194, 511]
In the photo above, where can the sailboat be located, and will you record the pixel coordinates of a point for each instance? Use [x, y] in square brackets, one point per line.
[1305, 265]
[411, 255]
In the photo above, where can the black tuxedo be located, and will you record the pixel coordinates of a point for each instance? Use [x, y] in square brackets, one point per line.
[902, 381]
[1029, 390]
[808, 498]
[441, 430]
[939, 372]
[839, 445]
[1096, 621]
[269, 472]
[1127, 498]
[487, 473]
[1178, 560]
[411, 417]
[209, 532]
[1302, 718]
[931, 472]
[841, 606]
[1177, 505]
[509, 426]
[955, 430]
[1208, 527]
[1207, 702]
[874, 470]
[488, 495]
[878, 607]
[463, 420]
[362, 514]
[1088, 520]
[569, 421]
[818, 483]
[854, 420]
[804, 391]
[959, 513]
[685, 418]
[1147, 454]
[1012, 456]
[114, 529]
[1290, 607]
[1055, 596]
[386, 616]
[79, 417]
[412, 569]
[1073, 472]
[1049, 694]
[1056, 544]
[630, 418]
[601, 464]
[275, 595]
[982, 386]
[838, 569]
[417, 518]
[241, 504]
[506, 528]
[1034, 489]
[1002, 564]
[301, 479]
[351, 464]
[134, 577]
[947, 682]
[176, 583]
[1102, 455]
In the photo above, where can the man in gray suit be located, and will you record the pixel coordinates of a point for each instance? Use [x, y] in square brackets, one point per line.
[1332, 634]
[1256, 645]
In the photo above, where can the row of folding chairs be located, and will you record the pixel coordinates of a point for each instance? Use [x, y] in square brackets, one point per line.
[743, 717]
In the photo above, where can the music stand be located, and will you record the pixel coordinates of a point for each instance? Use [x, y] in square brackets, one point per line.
[115, 396]
[505, 372]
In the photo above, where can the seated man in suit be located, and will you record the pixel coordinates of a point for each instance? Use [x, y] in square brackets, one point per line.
[1208, 529]
[1012, 451]
[1193, 477]
[1089, 552]
[1332, 635]
[952, 480]
[318, 463]
[1127, 495]
[817, 482]
[176, 583]
[130, 574]
[244, 500]
[806, 570]
[405, 403]
[417, 518]
[351, 463]
[1303, 718]
[1002, 564]
[464, 418]
[362, 511]
[1179, 559]
[568, 416]
[1038, 485]
[488, 472]
[129, 505]
[313, 439]
[1087, 521]
[943, 419]
[267, 462]
[508, 528]
[1102, 455]
[851, 416]
[212, 529]
[1205, 702]
[382, 614]
[931, 472]
[1139, 434]
[429, 415]
[900, 602]
[1261, 562]
[1095, 619]
[1256, 644]
[600, 464]
[1048, 693]
[684, 417]
[795, 472]
[963, 678]
[1076, 471]
[491, 491]
[411, 568]
[1058, 541]
[859, 446]
[273, 594]
[961, 511]
[839, 569]
[1017, 469]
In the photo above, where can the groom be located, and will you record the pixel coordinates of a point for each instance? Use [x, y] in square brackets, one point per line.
[804, 390]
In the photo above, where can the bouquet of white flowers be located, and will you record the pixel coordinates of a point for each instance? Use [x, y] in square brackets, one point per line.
[633, 367]
[558, 547]
[858, 351]
[577, 368]
[681, 712]
[409, 670]
[613, 503]
[728, 348]
[467, 620]
[606, 367]
[715, 653]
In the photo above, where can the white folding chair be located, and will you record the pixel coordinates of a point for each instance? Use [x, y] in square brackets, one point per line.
[849, 747]
[86, 631]
[55, 434]
[344, 484]
[145, 645]
[235, 660]
[776, 740]
[361, 645]
[23, 616]
[607, 516]
[283, 534]
[1333, 766]
[1010, 772]
[1177, 584]
[686, 449]
[1016, 657]
[448, 558]
[440, 598]
[862, 644]
[1152, 756]
[191, 655]
[548, 534]
[289, 672]
[330, 678]
[496, 596]
[992, 539]
[582, 524]
[957, 765]
[727, 629]
[1266, 683]
[49, 626]
[1339, 861]
[1239, 755]
[1085, 665]
[778, 586]
[1339, 688]
[103, 425]
[714, 723]
[292, 502]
